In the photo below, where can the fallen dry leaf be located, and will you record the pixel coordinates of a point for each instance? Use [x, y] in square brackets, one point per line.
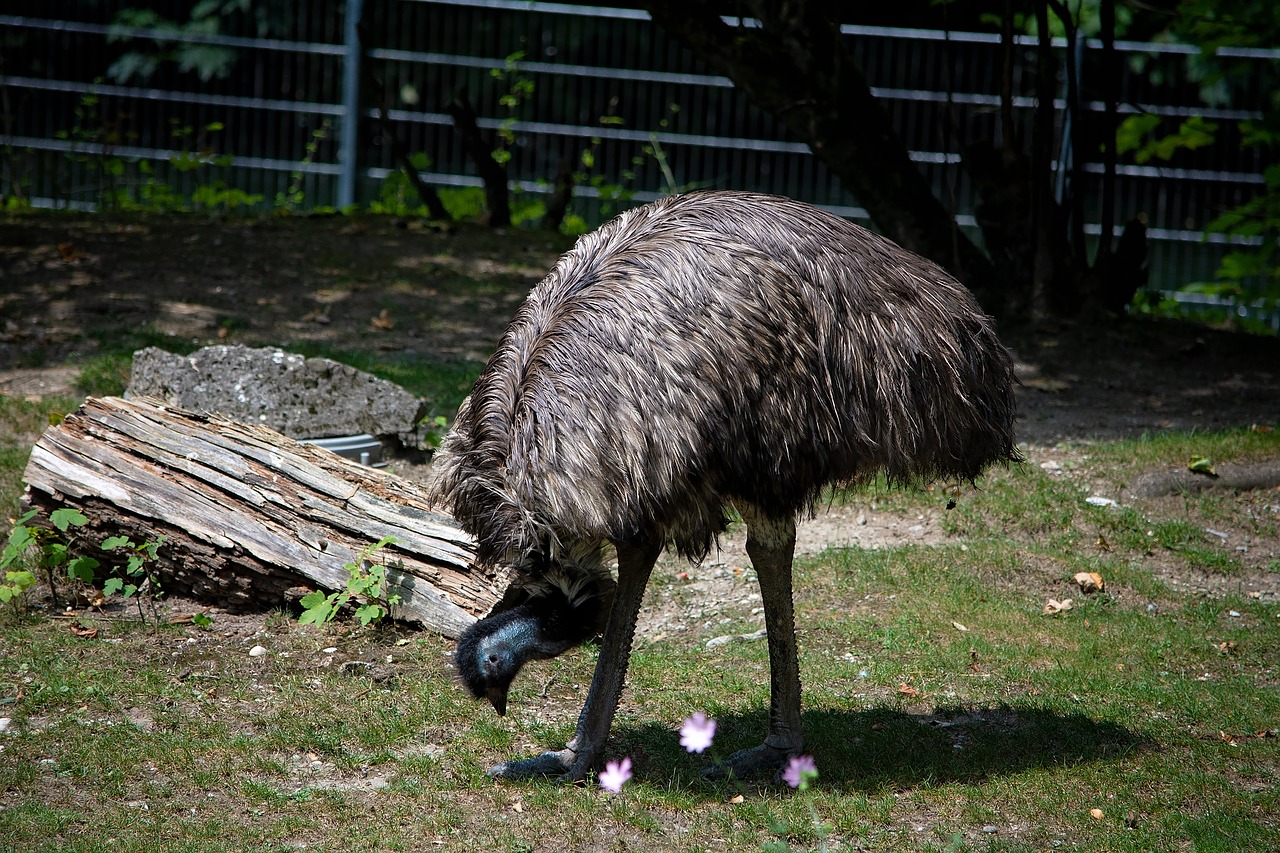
[1096, 814]
[68, 252]
[82, 631]
[1261, 428]
[1226, 647]
[737, 798]
[1102, 543]
[907, 690]
[958, 626]
[1053, 606]
[383, 321]
[1090, 581]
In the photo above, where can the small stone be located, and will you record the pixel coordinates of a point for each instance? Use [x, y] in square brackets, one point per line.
[257, 652]
[5, 722]
[989, 829]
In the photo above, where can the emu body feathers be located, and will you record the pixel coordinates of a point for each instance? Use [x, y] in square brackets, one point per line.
[706, 350]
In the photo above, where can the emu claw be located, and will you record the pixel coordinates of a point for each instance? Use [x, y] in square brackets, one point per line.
[546, 764]
[756, 761]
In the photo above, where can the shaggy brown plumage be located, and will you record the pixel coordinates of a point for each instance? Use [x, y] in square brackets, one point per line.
[712, 349]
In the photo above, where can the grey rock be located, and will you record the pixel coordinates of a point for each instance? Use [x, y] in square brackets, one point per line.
[303, 398]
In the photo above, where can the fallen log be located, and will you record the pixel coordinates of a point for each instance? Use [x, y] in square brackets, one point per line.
[247, 514]
[1228, 476]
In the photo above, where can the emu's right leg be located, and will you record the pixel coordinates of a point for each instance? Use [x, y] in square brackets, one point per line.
[583, 752]
[771, 544]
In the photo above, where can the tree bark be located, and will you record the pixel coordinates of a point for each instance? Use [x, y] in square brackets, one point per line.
[247, 513]
[795, 67]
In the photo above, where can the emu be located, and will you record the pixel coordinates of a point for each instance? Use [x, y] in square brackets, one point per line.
[702, 351]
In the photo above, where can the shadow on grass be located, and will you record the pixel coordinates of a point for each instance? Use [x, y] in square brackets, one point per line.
[879, 749]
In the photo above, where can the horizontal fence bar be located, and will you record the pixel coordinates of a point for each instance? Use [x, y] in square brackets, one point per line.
[538, 67]
[134, 152]
[168, 95]
[171, 35]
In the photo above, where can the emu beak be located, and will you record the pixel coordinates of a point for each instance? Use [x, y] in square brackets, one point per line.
[498, 698]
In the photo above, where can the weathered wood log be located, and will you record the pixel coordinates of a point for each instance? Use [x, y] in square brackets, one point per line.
[248, 513]
[1228, 476]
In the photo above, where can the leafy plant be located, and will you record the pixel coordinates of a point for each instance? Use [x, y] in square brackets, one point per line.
[294, 198]
[366, 582]
[46, 550]
[139, 579]
[16, 579]
[519, 90]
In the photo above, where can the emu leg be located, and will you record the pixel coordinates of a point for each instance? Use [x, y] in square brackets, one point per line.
[582, 754]
[771, 545]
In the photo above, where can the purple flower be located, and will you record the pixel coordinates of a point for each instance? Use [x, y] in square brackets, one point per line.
[615, 775]
[697, 732]
[800, 771]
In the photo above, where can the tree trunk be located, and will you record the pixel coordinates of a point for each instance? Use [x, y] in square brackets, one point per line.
[496, 193]
[795, 67]
[247, 513]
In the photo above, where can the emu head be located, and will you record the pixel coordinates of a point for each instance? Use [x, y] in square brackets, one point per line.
[492, 651]
[565, 607]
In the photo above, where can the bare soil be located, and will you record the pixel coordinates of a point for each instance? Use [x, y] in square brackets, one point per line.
[74, 286]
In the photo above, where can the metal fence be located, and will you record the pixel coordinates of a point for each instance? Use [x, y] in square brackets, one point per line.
[96, 106]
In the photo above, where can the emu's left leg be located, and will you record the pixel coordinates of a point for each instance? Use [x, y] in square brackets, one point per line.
[583, 752]
[771, 544]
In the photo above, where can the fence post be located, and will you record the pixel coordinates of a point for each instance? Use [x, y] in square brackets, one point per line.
[349, 140]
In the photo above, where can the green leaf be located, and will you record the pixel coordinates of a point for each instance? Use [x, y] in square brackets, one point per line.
[20, 578]
[312, 599]
[369, 613]
[112, 586]
[64, 518]
[317, 615]
[1201, 465]
[113, 542]
[81, 569]
[201, 620]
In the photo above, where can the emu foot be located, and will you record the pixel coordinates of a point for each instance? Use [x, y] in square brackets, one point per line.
[567, 764]
[546, 764]
[749, 763]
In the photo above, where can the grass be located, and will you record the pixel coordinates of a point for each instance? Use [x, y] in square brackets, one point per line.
[944, 710]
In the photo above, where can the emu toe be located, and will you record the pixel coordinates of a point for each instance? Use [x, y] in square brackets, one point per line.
[759, 760]
[547, 764]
